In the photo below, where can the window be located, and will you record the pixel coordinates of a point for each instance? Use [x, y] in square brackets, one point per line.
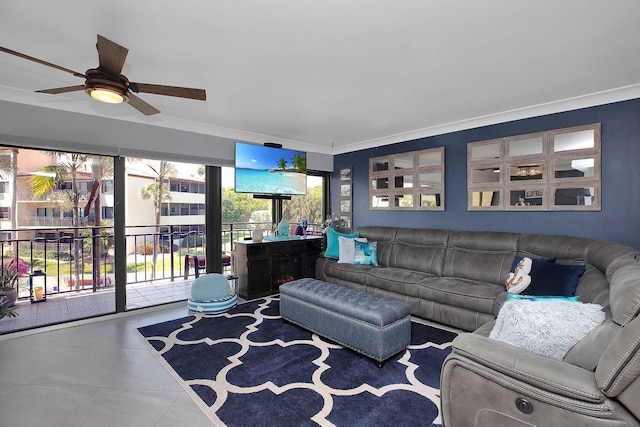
[553, 170]
[182, 209]
[48, 212]
[4, 186]
[310, 206]
[186, 187]
[107, 186]
[4, 213]
[107, 212]
[407, 181]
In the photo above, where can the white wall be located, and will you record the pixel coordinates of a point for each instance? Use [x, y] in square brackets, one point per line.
[41, 128]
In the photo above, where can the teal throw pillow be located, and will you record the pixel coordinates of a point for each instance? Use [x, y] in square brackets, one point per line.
[333, 246]
[366, 253]
[512, 297]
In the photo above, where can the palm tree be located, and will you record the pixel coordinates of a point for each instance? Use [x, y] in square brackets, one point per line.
[6, 164]
[50, 179]
[282, 164]
[100, 166]
[158, 192]
[300, 162]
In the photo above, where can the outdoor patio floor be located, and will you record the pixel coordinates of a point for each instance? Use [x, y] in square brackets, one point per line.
[65, 307]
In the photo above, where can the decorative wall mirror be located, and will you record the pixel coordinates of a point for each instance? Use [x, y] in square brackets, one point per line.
[407, 181]
[553, 170]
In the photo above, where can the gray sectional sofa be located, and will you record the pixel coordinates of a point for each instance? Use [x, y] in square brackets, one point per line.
[457, 278]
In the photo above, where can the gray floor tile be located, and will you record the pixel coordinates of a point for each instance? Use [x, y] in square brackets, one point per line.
[95, 374]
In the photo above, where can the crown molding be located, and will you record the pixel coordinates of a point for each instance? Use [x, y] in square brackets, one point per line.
[584, 101]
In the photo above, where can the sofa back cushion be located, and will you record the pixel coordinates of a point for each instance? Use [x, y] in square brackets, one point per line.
[624, 294]
[419, 250]
[560, 248]
[384, 236]
[480, 255]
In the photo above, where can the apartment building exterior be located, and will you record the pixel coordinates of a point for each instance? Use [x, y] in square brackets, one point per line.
[50, 216]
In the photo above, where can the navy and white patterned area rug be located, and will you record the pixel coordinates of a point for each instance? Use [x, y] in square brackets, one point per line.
[247, 367]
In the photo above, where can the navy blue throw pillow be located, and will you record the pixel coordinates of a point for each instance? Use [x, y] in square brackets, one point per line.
[518, 258]
[550, 278]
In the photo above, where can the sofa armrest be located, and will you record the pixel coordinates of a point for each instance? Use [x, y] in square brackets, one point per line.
[539, 371]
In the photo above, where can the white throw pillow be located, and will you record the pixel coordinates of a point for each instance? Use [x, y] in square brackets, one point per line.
[549, 328]
[347, 249]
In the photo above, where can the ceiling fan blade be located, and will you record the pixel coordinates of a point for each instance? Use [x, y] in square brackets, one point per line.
[181, 92]
[40, 61]
[62, 89]
[111, 56]
[142, 106]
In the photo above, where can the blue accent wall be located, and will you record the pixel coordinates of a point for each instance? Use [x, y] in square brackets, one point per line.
[618, 221]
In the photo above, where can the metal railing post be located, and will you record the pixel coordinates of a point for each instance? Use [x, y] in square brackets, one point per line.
[171, 237]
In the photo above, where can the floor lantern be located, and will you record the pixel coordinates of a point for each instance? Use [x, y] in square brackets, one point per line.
[38, 286]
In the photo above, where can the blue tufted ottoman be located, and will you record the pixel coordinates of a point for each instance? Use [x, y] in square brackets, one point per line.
[374, 326]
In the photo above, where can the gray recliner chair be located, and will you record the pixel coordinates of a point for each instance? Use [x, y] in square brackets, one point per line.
[490, 383]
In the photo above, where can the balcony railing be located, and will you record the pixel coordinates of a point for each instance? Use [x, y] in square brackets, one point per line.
[70, 261]
[47, 221]
[27, 196]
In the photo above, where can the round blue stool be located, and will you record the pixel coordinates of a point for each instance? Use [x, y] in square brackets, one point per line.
[211, 293]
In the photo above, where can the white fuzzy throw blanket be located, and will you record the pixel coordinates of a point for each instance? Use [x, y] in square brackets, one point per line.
[549, 328]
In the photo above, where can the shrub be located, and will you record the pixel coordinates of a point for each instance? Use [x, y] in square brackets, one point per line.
[22, 268]
[191, 241]
[145, 248]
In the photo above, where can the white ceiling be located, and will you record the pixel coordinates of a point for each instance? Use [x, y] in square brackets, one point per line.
[331, 76]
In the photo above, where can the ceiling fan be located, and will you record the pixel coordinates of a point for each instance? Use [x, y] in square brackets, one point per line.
[105, 83]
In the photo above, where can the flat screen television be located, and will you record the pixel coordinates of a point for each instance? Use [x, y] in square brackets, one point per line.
[270, 170]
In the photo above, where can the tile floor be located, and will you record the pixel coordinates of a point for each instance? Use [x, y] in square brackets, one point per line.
[92, 373]
[73, 306]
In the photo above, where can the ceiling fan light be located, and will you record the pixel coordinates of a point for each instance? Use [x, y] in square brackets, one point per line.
[104, 90]
[107, 95]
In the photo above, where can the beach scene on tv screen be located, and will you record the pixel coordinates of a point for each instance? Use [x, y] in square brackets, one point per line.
[269, 170]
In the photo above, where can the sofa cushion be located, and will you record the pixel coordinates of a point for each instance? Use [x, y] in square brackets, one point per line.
[552, 246]
[588, 351]
[625, 294]
[384, 236]
[348, 272]
[419, 250]
[481, 256]
[396, 280]
[464, 293]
